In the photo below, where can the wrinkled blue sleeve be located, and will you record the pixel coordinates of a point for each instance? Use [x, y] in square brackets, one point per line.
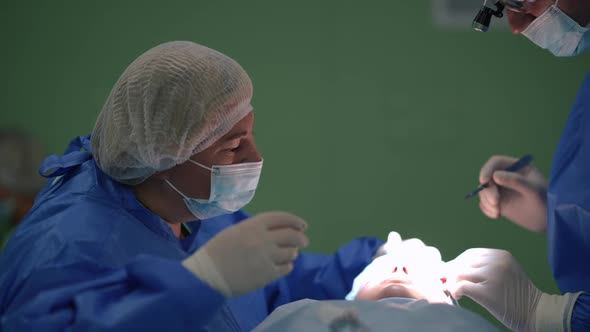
[149, 294]
[581, 315]
[323, 277]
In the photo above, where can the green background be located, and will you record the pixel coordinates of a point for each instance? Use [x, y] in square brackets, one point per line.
[370, 118]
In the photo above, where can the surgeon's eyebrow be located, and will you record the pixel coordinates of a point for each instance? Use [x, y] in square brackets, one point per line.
[236, 136]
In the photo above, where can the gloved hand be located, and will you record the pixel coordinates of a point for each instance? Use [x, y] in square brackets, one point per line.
[251, 254]
[495, 280]
[519, 196]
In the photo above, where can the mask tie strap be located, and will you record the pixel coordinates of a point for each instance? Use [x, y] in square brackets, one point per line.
[175, 189]
[201, 165]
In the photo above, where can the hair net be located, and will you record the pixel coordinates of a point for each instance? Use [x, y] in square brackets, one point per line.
[20, 158]
[174, 101]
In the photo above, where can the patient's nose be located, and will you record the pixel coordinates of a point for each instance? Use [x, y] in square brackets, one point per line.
[400, 269]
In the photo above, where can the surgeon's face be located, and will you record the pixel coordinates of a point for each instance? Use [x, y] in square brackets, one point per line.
[237, 146]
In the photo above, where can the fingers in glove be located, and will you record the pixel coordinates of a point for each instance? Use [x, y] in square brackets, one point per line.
[512, 181]
[489, 211]
[490, 195]
[284, 269]
[289, 237]
[284, 219]
[473, 290]
[475, 253]
[473, 257]
[493, 164]
[284, 255]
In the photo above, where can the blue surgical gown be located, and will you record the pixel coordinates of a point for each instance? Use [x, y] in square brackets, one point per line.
[568, 209]
[90, 257]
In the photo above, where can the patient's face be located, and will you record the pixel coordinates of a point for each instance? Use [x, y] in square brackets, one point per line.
[404, 282]
[410, 274]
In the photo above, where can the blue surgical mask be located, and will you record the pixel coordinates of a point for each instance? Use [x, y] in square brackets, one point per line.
[558, 33]
[232, 187]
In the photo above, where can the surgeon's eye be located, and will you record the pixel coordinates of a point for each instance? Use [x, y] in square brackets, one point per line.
[405, 270]
[233, 150]
[395, 269]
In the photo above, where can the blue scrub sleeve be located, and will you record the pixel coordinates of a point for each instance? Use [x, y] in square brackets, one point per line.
[323, 277]
[581, 315]
[148, 294]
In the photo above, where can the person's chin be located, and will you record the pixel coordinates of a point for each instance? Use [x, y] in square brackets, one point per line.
[401, 290]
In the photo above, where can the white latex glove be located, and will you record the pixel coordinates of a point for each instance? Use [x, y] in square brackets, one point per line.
[251, 254]
[519, 196]
[495, 280]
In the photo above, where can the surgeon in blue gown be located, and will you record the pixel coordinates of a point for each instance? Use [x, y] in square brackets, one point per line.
[561, 208]
[140, 227]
